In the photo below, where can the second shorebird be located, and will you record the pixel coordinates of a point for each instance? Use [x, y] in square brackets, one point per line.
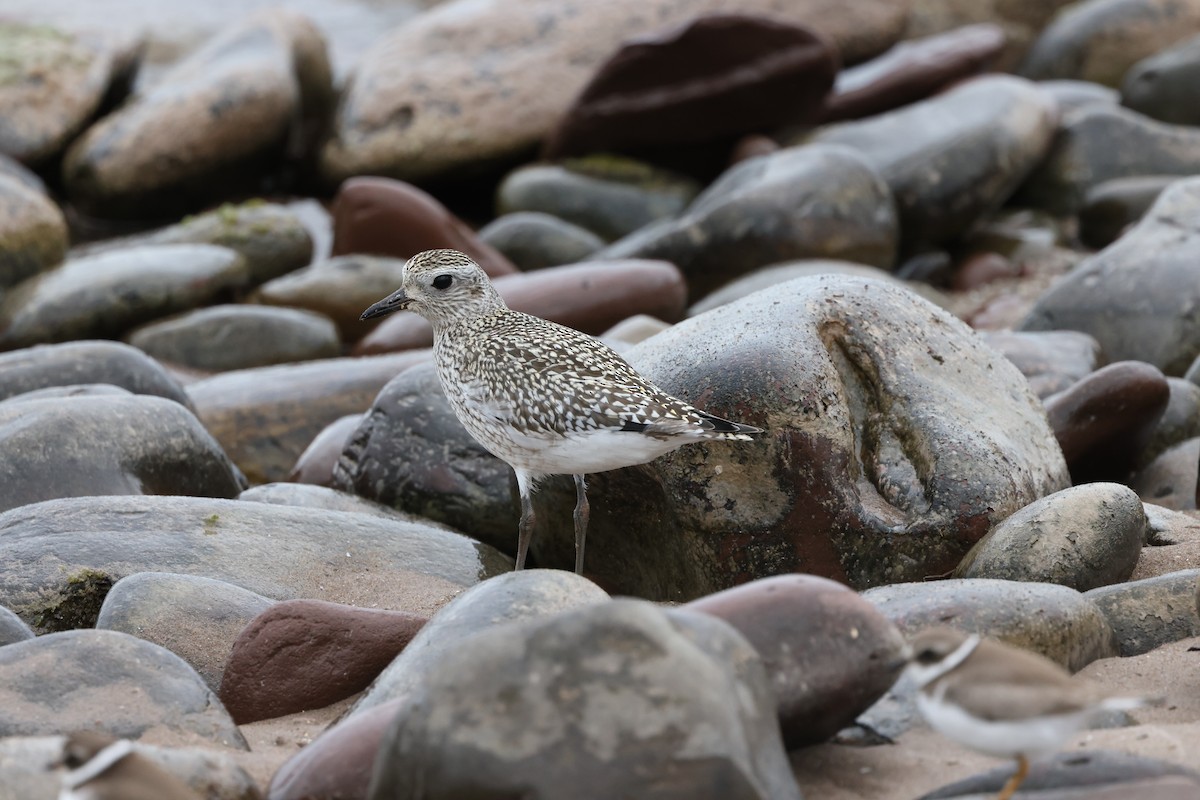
[545, 398]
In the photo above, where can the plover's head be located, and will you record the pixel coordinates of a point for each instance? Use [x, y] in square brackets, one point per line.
[444, 286]
[936, 651]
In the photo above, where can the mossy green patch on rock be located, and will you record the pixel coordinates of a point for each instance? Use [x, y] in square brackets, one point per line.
[76, 604]
[29, 49]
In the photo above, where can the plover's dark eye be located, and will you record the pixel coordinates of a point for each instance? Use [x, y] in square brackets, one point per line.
[928, 656]
[442, 282]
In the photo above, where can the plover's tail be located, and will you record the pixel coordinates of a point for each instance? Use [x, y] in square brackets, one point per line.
[720, 428]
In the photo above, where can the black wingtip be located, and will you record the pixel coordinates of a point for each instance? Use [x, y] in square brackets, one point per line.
[721, 425]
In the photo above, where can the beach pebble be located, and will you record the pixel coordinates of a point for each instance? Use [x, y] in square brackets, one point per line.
[1151, 612]
[315, 465]
[1050, 360]
[208, 124]
[812, 201]
[828, 653]
[33, 232]
[1056, 621]
[386, 217]
[196, 618]
[413, 107]
[1163, 85]
[13, 628]
[107, 445]
[535, 240]
[228, 337]
[529, 595]
[58, 559]
[73, 363]
[306, 654]
[590, 297]
[108, 294]
[1172, 479]
[608, 195]
[264, 417]
[1137, 296]
[1083, 537]
[106, 681]
[1111, 207]
[681, 674]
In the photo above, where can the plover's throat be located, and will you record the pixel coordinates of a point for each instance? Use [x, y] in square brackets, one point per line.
[925, 675]
[98, 764]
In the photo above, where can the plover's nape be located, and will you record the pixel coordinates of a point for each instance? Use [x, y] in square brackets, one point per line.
[545, 398]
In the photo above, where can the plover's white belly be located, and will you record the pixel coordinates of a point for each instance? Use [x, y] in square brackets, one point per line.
[1001, 738]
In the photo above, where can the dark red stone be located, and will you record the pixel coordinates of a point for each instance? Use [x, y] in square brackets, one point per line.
[591, 297]
[338, 765]
[829, 653]
[305, 654]
[386, 217]
[717, 77]
[315, 464]
[914, 70]
[1103, 421]
[979, 269]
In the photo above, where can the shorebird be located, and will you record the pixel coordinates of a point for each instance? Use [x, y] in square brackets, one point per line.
[1001, 700]
[545, 398]
[102, 767]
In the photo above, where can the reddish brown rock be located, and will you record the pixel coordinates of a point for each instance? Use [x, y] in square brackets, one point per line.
[979, 269]
[753, 146]
[712, 78]
[305, 654]
[591, 297]
[315, 464]
[829, 653]
[338, 765]
[914, 70]
[385, 217]
[1104, 421]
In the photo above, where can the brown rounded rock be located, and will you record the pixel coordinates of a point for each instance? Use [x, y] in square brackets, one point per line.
[305, 654]
[1104, 421]
[590, 297]
[385, 217]
[33, 232]
[913, 70]
[315, 464]
[338, 765]
[829, 653]
[713, 78]
[979, 269]
[1050, 360]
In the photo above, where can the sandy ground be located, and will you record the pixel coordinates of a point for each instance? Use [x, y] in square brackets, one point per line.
[920, 760]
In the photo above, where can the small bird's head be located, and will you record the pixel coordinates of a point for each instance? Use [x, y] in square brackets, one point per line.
[936, 651]
[444, 286]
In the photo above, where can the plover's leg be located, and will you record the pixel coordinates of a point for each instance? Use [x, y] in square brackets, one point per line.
[525, 531]
[582, 511]
[1010, 788]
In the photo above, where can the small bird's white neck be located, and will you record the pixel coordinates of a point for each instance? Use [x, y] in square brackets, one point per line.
[924, 675]
[97, 765]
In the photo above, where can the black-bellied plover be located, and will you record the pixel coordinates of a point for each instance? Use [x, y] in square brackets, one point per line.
[1001, 700]
[545, 398]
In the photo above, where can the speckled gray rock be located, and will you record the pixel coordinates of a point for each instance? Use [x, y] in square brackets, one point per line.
[1071, 94]
[306, 495]
[33, 232]
[812, 201]
[952, 158]
[55, 81]
[76, 363]
[29, 769]
[1098, 40]
[1152, 612]
[1109, 208]
[610, 196]
[529, 594]
[776, 274]
[1138, 296]
[229, 337]
[1164, 85]
[533, 240]
[670, 727]
[106, 295]
[1180, 422]
[271, 237]
[58, 559]
[108, 445]
[13, 628]
[1083, 537]
[195, 618]
[265, 417]
[1172, 479]
[72, 390]
[1099, 143]
[340, 288]
[209, 124]
[412, 112]
[1050, 360]
[1056, 621]
[835, 368]
[410, 452]
[107, 681]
